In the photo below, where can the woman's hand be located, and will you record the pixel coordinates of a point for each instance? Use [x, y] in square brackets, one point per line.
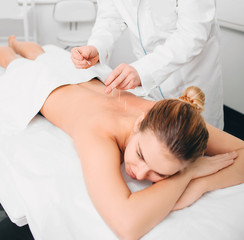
[205, 166]
[123, 77]
[84, 57]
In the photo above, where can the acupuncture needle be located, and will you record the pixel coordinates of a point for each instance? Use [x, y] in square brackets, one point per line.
[88, 62]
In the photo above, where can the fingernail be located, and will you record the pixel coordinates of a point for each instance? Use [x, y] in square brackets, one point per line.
[106, 90]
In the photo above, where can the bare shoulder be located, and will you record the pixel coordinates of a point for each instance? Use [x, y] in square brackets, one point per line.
[100, 160]
[222, 142]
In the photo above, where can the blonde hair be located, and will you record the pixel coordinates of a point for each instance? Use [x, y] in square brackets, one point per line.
[195, 97]
[179, 125]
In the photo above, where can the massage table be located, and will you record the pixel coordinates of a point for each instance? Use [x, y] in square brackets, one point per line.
[41, 184]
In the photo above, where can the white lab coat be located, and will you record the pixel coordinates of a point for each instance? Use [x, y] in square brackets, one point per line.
[176, 43]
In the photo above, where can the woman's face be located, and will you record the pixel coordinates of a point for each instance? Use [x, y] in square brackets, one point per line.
[146, 158]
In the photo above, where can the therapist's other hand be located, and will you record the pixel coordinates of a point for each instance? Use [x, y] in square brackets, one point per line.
[123, 77]
[84, 57]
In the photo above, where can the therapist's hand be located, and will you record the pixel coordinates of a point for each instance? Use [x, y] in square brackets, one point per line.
[123, 77]
[84, 57]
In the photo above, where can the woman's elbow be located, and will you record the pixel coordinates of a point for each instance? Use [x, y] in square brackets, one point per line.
[128, 229]
[127, 233]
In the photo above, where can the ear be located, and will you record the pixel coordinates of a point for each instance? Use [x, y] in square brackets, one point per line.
[138, 122]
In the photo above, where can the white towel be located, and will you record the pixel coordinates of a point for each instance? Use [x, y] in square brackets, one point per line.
[26, 84]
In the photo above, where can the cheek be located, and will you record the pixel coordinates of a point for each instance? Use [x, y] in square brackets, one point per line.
[128, 156]
[130, 153]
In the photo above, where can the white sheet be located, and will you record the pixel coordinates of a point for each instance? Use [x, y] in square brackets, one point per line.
[49, 191]
[41, 183]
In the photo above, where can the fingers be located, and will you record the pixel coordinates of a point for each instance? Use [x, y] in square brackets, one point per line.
[123, 77]
[222, 161]
[112, 80]
[226, 159]
[84, 64]
[120, 82]
[225, 163]
[76, 54]
[128, 83]
[225, 156]
[208, 165]
[79, 56]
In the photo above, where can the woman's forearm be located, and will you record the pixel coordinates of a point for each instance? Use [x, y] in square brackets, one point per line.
[232, 175]
[158, 201]
[229, 176]
[222, 142]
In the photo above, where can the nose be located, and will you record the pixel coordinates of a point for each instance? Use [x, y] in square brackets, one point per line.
[142, 172]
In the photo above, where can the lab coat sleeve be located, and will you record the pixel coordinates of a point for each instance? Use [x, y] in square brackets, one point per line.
[195, 20]
[107, 29]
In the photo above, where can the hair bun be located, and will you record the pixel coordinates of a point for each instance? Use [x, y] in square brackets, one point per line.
[195, 97]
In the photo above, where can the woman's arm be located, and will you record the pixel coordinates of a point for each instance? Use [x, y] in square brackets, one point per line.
[129, 215]
[222, 142]
[219, 142]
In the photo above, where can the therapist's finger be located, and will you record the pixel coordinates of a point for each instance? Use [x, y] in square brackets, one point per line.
[123, 84]
[131, 85]
[75, 54]
[78, 64]
[113, 75]
[85, 65]
[76, 61]
[115, 83]
[81, 64]
[125, 87]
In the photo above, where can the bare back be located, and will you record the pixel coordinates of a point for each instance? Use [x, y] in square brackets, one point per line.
[82, 106]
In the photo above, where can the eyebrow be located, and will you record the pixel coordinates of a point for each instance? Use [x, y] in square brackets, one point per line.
[140, 151]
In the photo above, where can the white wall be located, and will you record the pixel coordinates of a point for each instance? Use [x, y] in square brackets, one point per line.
[233, 68]
[46, 27]
[231, 19]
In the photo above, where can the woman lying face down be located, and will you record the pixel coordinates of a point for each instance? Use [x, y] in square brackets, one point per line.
[163, 142]
[171, 136]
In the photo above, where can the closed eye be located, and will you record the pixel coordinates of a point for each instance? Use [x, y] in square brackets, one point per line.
[138, 154]
[166, 176]
[163, 176]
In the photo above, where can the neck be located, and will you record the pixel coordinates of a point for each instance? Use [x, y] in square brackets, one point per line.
[127, 120]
